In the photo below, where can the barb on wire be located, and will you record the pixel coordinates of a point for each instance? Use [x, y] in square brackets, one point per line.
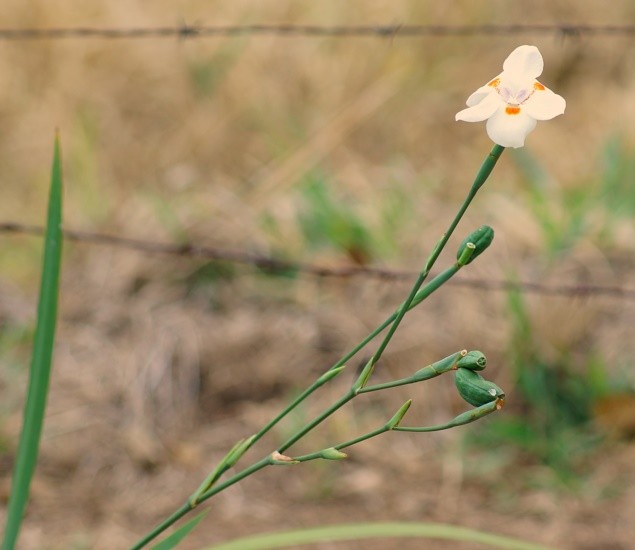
[269, 263]
[292, 30]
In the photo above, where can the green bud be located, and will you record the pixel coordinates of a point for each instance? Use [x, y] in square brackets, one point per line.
[398, 416]
[475, 389]
[330, 374]
[364, 377]
[237, 451]
[474, 360]
[481, 239]
[332, 454]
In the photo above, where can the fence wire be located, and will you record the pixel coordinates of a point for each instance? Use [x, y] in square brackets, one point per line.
[336, 31]
[277, 265]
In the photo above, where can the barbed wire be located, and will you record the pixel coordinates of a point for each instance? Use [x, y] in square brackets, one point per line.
[292, 30]
[277, 265]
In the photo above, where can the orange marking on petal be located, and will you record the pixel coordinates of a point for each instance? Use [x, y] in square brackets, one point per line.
[512, 110]
[538, 86]
[494, 82]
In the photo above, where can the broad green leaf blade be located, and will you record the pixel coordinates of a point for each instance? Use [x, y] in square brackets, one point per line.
[362, 531]
[170, 542]
[40, 371]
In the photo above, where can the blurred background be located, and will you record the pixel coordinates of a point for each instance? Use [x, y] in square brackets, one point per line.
[339, 152]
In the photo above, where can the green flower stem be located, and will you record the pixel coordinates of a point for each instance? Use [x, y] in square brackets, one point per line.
[176, 515]
[415, 297]
[419, 297]
[332, 453]
[317, 420]
[326, 377]
[426, 373]
[319, 454]
[262, 463]
[223, 467]
[460, 420]
[188, 506]
[197, 497]
[481, 177]
[391, 384]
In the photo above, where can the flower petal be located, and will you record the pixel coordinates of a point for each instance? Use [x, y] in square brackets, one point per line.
[544, 104]
[483, 91]
[525, 61]
[485, 109]
[510, 130]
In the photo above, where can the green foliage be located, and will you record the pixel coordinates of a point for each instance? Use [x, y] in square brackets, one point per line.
[364, 531]
[563, 214]
[41, 362]
[173, 540]
[206, 75]
[560, 214]
[616, 190]
[330, 222]
[556, 399]
[330, 218]
[206, 280]
[15, 341]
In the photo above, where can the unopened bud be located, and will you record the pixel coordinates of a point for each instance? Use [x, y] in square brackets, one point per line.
[474, 360]
[475, 389]
[398, 416]
[481, 239]
[332, 454]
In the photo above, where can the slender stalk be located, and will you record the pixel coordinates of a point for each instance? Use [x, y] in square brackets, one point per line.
[481, 178]
[40, 371]
[317, 420]
[332, 534]
[329, 375]
[416, 296]
[350, 443]
[187, 506]
[460, 420]
[173, 518]
[262, 463]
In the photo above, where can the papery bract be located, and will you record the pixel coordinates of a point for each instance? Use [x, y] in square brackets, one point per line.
[514, 101]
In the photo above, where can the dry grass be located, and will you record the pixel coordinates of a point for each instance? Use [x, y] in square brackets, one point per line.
[205, 140]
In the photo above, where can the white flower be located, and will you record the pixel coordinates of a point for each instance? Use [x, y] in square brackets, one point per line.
[514, 100]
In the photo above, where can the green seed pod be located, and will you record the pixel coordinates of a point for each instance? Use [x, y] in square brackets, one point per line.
[475, 389]
[474, 360]
[481, 238]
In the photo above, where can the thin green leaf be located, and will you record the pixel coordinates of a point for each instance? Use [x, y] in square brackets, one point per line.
[175, 538]
[361, 531]
[40, 371]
